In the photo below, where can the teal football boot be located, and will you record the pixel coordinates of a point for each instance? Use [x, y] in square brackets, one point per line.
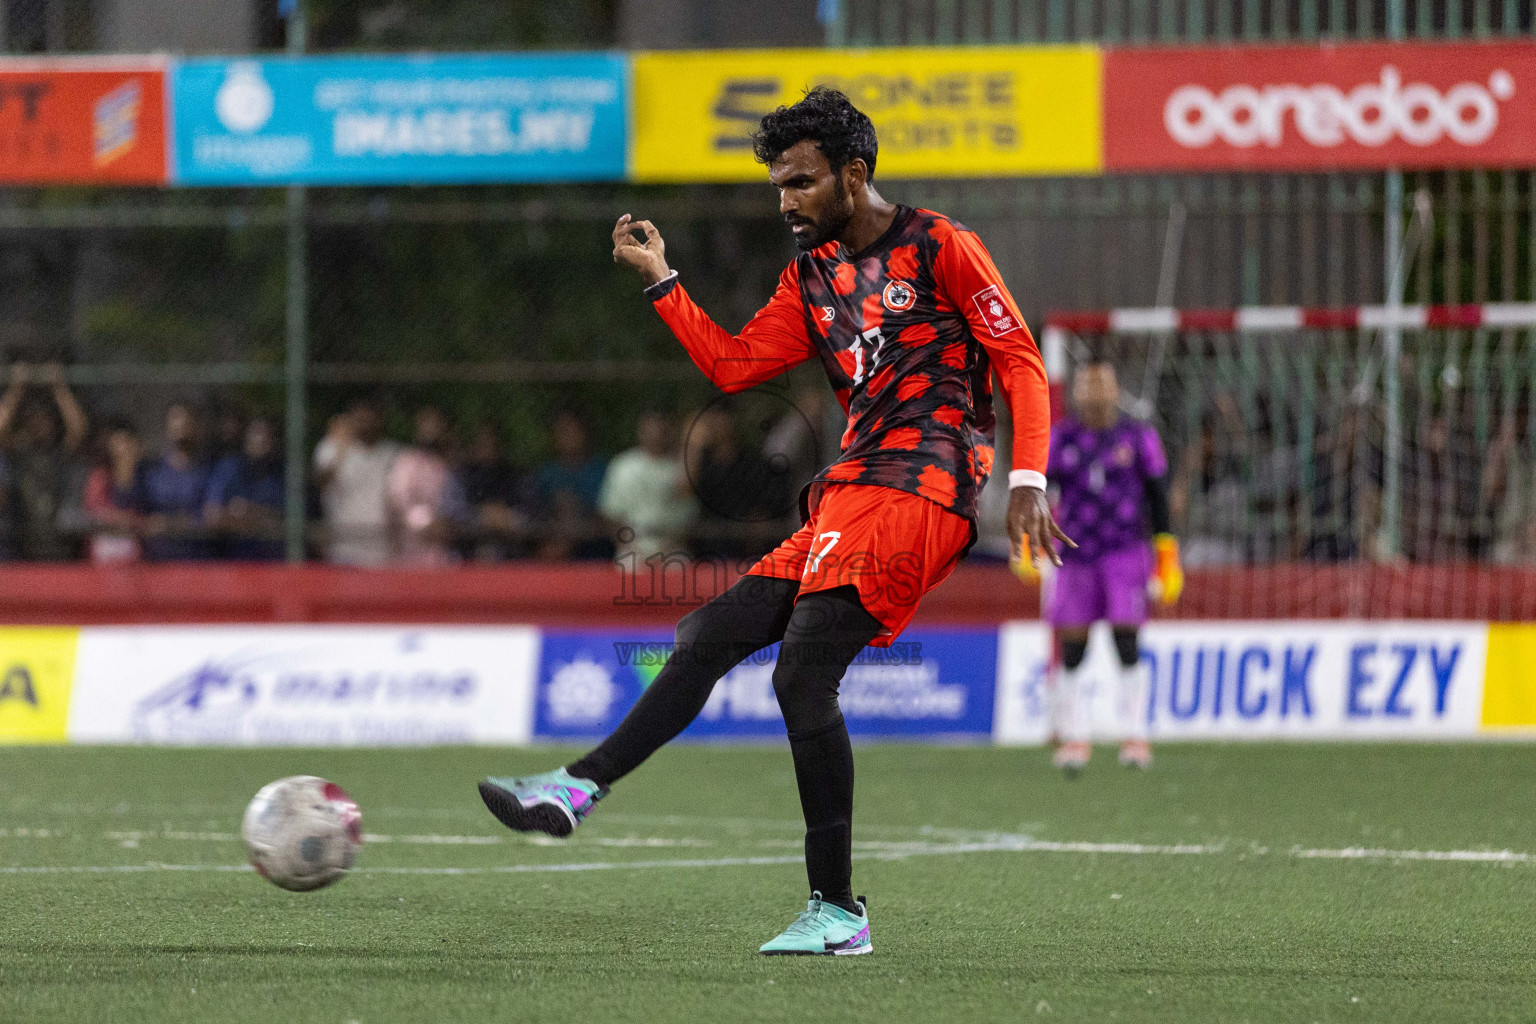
[554, 802]
[823, 930]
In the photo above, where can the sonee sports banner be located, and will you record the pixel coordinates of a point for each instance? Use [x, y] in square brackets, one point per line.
[955, 112]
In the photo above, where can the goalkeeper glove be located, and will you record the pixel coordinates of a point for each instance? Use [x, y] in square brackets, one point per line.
[1167, 575]
[1025, 569]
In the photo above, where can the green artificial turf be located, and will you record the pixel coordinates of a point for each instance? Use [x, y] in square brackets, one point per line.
[964, 927]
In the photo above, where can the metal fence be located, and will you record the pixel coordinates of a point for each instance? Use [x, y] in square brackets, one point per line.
[499, 303]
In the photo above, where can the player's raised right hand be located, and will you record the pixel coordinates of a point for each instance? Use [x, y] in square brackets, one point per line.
[649, 257]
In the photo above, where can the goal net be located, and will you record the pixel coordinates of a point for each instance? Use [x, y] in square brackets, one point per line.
[1360, 462]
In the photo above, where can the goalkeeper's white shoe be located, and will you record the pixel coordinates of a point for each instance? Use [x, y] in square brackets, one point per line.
[1072, 757]
[1136, 754]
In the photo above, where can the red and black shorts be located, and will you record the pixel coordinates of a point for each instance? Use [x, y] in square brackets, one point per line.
[892, 546]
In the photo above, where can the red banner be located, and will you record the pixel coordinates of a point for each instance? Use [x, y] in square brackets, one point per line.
[1357, 106]
[82, 121]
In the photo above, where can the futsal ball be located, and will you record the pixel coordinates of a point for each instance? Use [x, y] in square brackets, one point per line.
[302, 832]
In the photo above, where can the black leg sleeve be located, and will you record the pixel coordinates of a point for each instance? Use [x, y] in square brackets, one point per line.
[1126, 644]
[826, 632]
[710, 641]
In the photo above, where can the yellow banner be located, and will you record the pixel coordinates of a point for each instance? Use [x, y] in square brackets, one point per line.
[1509, 678]
[37, 670]
[941, 113]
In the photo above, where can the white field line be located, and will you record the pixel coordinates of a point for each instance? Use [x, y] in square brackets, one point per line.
[375, 838]
[1016, 844]
[1361, 853]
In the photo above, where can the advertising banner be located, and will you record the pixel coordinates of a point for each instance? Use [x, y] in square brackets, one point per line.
[945, 112]
[930, 683]
[37, 669]
[303, 685]
[82, 121]
[1266, 680]
[400, 120]
[1509, 682]
[1352, 106]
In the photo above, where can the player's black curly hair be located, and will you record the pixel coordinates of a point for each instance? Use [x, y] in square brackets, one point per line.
[825, 116]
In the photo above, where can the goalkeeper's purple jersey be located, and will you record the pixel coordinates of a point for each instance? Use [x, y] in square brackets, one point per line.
[1103, 475]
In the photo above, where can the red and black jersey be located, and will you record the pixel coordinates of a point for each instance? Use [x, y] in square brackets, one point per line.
[908, 330]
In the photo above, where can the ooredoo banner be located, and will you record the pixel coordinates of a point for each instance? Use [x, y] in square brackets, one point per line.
[82, 121]
[1353, 106]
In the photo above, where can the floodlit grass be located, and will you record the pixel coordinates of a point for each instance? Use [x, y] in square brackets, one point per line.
[979, 912]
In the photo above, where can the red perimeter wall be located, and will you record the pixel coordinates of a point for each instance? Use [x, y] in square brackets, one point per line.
[978, 593]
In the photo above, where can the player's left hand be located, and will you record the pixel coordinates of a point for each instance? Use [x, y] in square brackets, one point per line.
[1032, 530]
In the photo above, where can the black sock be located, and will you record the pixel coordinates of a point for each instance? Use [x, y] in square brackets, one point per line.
[826, 632]
[824, 774]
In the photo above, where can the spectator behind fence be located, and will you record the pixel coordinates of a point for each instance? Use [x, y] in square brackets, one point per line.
[1347, 471]
[41, 438]
[646, 491]
[351, 468]
[1443, 483]
[493, 492]
[171, 493]
[228, 434]
[566, 491]
[738, 490]
[426, 501]
[246, 494]
[113, 495]
[1208, 497]
[793, 444]
[1508, 490]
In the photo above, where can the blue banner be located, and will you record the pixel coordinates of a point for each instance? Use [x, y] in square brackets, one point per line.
[399, 120]
[930, 683]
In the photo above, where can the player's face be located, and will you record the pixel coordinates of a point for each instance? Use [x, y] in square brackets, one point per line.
[1096, 392]
[815, 202]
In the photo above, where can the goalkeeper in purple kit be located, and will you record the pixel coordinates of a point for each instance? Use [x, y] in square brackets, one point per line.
[1111, 474]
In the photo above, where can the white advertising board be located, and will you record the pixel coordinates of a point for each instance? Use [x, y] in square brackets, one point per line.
[304, 685]
[1264, 680]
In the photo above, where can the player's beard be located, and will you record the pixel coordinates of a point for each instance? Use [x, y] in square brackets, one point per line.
[830, 224]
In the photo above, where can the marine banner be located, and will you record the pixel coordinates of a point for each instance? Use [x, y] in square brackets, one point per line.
[944, 112]
[341, 686]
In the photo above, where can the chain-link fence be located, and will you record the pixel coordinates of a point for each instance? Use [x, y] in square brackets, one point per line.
[499, 307]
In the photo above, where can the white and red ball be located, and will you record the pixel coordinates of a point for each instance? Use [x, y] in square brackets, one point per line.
[302, 832]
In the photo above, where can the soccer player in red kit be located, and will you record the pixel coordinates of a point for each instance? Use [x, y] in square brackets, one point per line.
[909, 318]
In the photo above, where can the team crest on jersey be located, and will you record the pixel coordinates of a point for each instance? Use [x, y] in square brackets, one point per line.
[899, 297]
[989, 301]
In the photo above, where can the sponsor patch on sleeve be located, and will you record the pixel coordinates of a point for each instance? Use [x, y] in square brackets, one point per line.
[1000, 319]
